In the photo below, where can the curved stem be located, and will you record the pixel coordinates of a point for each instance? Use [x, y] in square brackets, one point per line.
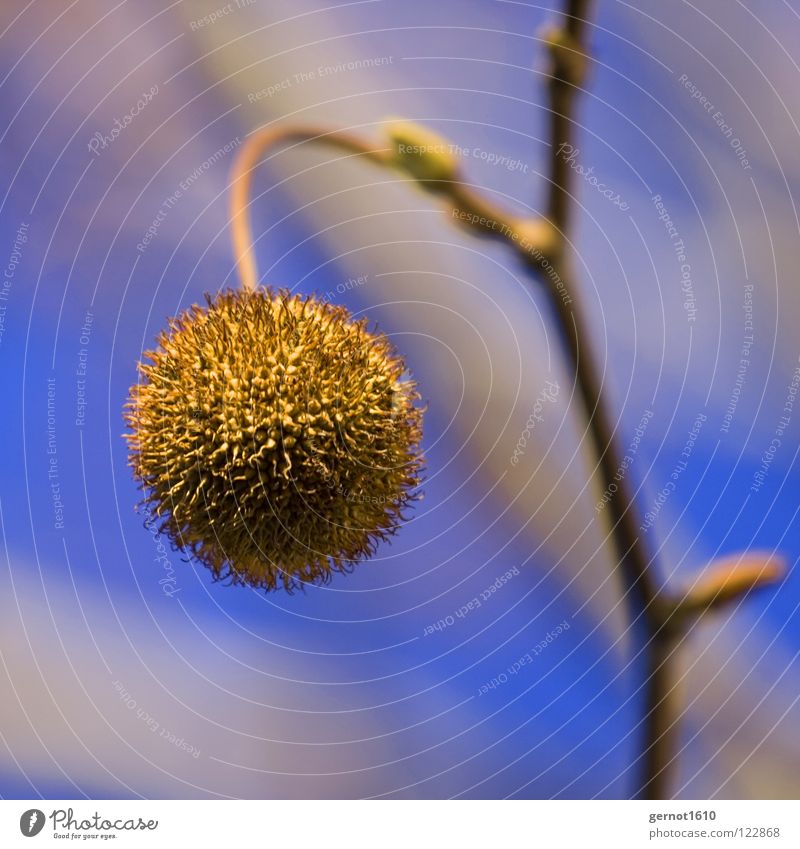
[479, 214]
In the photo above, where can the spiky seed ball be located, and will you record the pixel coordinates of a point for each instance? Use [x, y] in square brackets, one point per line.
[275, 437]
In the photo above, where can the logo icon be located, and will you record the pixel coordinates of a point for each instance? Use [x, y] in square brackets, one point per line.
[31, 822]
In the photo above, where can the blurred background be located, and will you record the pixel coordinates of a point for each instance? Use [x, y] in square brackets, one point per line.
[126, 672]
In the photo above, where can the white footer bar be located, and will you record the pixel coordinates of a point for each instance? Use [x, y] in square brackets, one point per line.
[402, 824]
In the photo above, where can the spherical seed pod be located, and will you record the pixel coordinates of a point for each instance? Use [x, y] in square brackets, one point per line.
[275, 437]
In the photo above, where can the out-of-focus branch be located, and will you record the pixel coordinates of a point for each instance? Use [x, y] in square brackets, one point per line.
[569, 62]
